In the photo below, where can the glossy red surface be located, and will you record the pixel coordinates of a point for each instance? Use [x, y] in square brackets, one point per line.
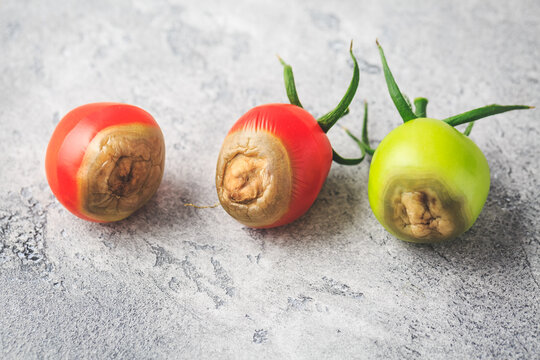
[69, 142]
[308, 147]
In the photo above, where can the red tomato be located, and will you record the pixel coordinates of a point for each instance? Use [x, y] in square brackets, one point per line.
[272, 165]
[105, 160]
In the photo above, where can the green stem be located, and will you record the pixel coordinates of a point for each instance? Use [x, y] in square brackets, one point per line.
[482, 113]
[290, 86]
[344, 161]
[399, 100]
[328, 120]
[420, 105]
[468, 130]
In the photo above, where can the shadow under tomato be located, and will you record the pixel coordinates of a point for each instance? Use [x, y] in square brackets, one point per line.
[495, 243]
[163, 209]
[336, 215]
[167, 206]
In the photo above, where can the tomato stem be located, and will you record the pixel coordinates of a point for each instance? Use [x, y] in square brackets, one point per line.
[290, 85]
[328, 120]
[420, 105]
[400, 101]
[483, 112]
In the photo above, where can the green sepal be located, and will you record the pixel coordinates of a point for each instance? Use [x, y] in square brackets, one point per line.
[407, 100]
[360, 143]
[468, 130]
[402, 104]
[483, 112]
[328, 120]
[290, 85]
[364, 143]
[345, 161]
[365, 138]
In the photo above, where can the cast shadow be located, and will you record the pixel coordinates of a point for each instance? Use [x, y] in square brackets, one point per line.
[342, 207]
[163, 211]
[495, 242]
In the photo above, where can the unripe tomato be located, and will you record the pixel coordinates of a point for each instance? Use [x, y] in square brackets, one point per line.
[272, 165]
[427, 181]
[105, 160]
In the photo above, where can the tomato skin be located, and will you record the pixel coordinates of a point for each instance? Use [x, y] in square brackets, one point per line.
[307, 146]
[69, 143]
[432, 153]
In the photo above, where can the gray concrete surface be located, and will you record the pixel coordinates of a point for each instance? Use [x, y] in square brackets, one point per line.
[177, 282]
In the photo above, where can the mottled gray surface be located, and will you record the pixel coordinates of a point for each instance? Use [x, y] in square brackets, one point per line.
[177, 282]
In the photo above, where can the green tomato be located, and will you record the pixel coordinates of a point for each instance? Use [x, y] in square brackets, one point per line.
[427, 181]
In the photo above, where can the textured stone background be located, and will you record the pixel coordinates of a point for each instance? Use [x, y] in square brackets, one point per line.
[178, 282]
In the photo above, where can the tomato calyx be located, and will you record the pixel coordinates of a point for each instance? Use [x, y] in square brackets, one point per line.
[327, 121]
[402, 104]
[483, 112]
[404, 107]
[363, 143]
[290, 85]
